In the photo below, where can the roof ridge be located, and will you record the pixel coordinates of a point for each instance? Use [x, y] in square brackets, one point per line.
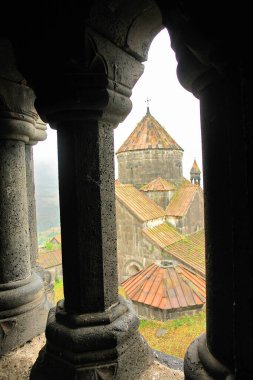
[156, 181]
[176, 206]
[138, 203]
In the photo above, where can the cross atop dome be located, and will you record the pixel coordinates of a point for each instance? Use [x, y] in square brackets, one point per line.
[148, 101]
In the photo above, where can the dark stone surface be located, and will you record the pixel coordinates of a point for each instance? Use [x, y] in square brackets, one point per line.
[112, 351]
[14, 240]
[18, 329]
[199, 363]
[86, 186]
[217, 119]
[30, 189]
[168, 360]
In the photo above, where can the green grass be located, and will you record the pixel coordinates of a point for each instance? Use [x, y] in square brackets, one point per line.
[58, 291]
[179, 332]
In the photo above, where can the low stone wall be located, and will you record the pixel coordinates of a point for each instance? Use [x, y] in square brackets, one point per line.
[149, 312]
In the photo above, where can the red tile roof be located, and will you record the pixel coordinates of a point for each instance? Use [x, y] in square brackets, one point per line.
[149, 134]
[191, 251]
[182, 199]
[56, 239]
[158, 184]
[49, 259]
[174, 287]
[139, 204]
[163, 235]
[195, 169]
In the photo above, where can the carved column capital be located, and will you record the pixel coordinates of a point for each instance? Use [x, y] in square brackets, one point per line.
[40, 133]
[17, 114]
[202, 58]
[97, 87]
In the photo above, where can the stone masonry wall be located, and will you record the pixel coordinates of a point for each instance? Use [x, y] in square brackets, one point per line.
[149, 312]
[142, 166]
[161, 198]
[134, 250]
[193, 220]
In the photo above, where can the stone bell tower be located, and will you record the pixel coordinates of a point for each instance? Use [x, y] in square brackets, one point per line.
[195, 173]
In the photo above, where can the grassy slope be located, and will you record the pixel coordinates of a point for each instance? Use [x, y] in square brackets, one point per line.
[179, 333]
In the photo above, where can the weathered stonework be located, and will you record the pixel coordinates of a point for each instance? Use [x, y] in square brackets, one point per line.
[133, 249]
[162, 198]
[193, 220]
[207, 67]
[140, 167]
[23, 302]
[149, 312]
[91, 320]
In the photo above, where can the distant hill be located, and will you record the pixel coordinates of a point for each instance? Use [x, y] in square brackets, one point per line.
[47, 197]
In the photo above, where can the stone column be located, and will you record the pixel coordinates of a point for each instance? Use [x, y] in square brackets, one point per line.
[40, 135]
[92, 333]
[212, 354]
[23, 309]
[208, 74]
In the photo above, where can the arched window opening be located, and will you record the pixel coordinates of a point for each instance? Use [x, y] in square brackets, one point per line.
[157, 152]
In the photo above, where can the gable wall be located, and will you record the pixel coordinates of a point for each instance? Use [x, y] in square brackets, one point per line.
[161, 198]
[194, 218]
[132, 247]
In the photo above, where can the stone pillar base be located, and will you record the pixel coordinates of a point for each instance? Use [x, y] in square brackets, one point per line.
[92, 346]
[200, 364]
[23, 312]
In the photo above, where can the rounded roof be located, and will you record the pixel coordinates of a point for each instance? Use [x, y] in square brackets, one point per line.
[168, 287]
[149, 134]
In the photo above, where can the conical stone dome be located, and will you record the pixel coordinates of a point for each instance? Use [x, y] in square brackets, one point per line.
[149, 152]
[149, 134]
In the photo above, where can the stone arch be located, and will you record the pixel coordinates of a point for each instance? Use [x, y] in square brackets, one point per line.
[208, 68]
[132, 267]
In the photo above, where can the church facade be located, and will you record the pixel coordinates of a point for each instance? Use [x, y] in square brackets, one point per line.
[156, 207]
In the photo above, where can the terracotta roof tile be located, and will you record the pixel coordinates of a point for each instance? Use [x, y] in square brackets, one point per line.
[191, 251]
[149, 134]
[49, 259]
[158, 184]
[171, 288]
[144, 208]
[163, 235]
[56, 239]
[182, 199]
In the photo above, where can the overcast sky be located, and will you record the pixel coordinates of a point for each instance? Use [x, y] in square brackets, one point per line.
[175, 109]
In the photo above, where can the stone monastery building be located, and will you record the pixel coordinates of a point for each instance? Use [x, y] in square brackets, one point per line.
[159, 213]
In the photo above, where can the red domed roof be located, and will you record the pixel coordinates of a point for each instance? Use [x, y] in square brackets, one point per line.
[149, 134]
